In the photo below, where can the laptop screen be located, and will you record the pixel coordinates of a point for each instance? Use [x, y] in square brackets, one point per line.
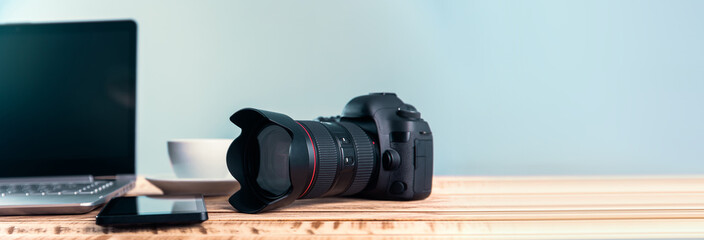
[67, 99]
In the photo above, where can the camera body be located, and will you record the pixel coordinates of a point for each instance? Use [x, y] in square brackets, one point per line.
[379, 148]
[404, 170]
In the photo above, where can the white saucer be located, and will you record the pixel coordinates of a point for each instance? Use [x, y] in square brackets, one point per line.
[207, 187]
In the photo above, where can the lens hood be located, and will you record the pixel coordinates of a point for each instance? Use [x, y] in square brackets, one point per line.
[242, 160]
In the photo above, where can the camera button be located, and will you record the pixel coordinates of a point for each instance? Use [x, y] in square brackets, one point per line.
[391, 160]
[349, 161]
[397, 187]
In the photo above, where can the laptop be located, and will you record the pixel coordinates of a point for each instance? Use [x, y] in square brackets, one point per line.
[67, 123]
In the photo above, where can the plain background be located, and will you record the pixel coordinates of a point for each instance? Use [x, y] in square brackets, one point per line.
[509, 87]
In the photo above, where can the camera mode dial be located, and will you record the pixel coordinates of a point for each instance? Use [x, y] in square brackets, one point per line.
[408, 111]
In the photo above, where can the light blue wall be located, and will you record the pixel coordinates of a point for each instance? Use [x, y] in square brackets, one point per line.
[509, 87]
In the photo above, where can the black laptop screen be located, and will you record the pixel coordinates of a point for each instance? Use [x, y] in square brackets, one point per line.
[67, 99]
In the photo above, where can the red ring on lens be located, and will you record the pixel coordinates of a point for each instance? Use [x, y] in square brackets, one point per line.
[315, 161]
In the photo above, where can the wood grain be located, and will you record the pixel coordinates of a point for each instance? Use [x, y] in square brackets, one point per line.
[459, 208]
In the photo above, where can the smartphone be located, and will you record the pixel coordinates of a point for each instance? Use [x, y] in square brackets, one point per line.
[152, 210]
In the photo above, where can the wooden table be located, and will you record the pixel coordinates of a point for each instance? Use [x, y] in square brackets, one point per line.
[460, 207]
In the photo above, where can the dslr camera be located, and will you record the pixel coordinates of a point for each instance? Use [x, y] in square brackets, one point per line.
[379, 148]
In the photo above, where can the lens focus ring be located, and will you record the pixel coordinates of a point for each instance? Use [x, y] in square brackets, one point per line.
[327, 153]
[365, 158]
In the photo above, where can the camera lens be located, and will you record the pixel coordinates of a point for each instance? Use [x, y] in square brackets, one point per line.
[345, 159]
[273, 175]
[277, 160]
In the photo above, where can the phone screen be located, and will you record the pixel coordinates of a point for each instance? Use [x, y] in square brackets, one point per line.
[154, 205]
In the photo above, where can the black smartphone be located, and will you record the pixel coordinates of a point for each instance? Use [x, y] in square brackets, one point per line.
[151, 210]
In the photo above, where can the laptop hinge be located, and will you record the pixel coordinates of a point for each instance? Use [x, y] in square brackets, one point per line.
[125, 177]
[117, 177]
[76, 178]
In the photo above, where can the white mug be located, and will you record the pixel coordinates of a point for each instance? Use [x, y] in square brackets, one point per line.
[199, 158]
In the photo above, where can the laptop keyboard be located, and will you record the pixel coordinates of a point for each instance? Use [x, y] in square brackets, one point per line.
[39, 189]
